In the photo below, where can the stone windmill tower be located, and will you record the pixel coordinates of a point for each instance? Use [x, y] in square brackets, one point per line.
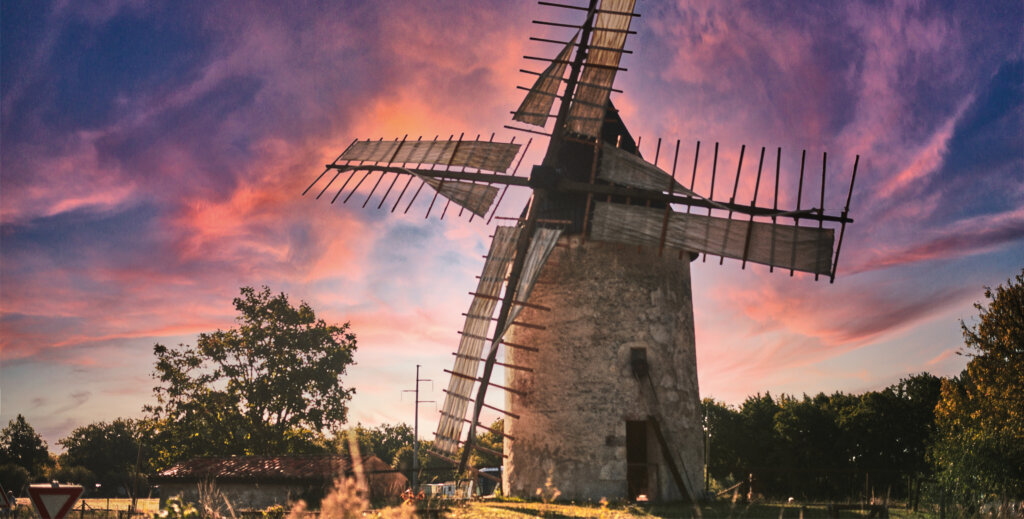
[585, 301]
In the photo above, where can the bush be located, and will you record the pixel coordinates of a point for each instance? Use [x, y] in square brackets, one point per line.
[13, 477]
[76, 474]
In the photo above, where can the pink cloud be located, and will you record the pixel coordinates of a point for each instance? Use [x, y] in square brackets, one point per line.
[835, 317]
[928, 158]
[967, 237]
[942, 357]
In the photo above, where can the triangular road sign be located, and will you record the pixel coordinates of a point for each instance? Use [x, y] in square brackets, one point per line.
[54, 501]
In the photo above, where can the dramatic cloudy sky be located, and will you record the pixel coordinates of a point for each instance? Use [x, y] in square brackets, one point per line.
[153, 156]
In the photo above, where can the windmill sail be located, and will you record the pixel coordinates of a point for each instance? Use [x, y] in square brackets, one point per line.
[475, 197]
[628, 169]
[478, 320]
[492, 156]
[543, 243]
[586, 114]
[807, 249]
[474, 333]
[537, 104]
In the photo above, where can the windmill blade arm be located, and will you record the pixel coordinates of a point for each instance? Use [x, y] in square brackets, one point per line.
[460, 388]
[610, 27]
[459, 187]
[636, 194]
[489, 178]
[541, 245]
[808, 249]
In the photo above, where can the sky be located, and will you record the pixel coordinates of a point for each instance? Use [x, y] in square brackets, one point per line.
[154, 155]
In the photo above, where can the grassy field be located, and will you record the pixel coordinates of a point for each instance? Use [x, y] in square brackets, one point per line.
[524, 510]
[146, 506]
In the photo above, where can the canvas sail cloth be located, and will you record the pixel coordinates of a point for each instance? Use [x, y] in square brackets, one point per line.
[475, 197]
[474, 333]
[586, 113]
[536, 106]
[628, 169]
[484, 155]
[543, 243]
[807, 249]
[492, 156]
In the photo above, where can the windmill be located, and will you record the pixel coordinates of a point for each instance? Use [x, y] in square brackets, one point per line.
[586, 297]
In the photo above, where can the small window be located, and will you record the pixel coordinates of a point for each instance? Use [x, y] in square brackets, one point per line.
[638, 361]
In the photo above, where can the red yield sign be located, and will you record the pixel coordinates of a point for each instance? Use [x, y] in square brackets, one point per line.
[54, 501]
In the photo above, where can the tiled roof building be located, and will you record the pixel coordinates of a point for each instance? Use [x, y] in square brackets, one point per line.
[257, 482]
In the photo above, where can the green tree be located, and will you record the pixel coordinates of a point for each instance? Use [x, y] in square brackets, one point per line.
[980, 415]
[493, 441]
[14, 478]
[76, 474]
[21, 445]
[432, 469]
[272, 385]
[383, 441]
[110, 451]
[810, 447]
[726, 437]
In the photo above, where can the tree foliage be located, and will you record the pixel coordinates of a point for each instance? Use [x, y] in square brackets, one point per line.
[825, 446]
[271, 385]
[21, 445]
[110, 451]
[980, 416]
[383, 441]
[14, 477]
[493, 441]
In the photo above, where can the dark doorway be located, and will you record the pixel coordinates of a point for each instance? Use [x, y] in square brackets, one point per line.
[637, 479]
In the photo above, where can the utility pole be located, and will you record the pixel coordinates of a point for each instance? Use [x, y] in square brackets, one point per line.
[416, 427]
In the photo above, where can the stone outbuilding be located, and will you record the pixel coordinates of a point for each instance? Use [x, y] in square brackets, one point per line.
[257, 482]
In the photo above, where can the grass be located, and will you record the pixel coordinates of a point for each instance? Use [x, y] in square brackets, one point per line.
[719, 509]
[149, 506]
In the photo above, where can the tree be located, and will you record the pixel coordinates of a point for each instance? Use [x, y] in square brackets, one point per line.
[980, 414]
[270, 386]
[75, 474]
[14, 477]
[110, 451]
[493, 441]
[21, 445]
[383, 441]
[432, 469]
[726, 436]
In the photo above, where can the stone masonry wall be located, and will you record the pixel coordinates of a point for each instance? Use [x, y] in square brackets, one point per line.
[605, 300]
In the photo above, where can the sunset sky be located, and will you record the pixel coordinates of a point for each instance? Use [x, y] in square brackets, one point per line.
[154, 155]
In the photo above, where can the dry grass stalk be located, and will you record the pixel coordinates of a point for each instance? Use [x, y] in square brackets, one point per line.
[349, 499]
